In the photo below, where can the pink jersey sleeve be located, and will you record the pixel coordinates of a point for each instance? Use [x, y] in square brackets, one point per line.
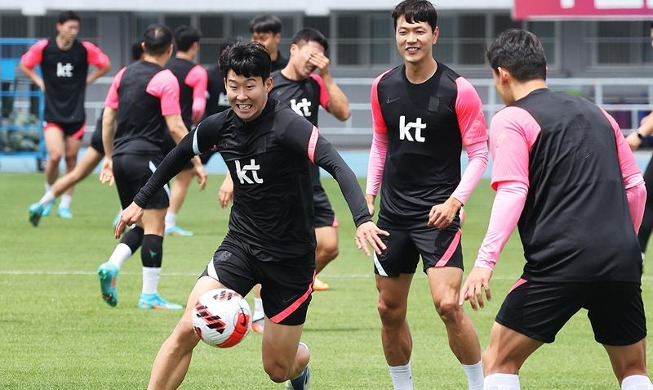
[95, 55]
[469, 111]
[627, 161]
[165, 86]
[376, 163]
[506, 211]
[378, 123]
[379, 147]
[34, 54]
[112, 96]
[324, 93]
[513, 132]
[631, 174]
[197, 78]
[477, 154]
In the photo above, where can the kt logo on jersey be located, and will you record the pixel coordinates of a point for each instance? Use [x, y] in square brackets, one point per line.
[248, 174]
[405, 130]
[64, 70]
[303, 108]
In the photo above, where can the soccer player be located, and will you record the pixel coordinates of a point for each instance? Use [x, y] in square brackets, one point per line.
[143, 99]
[266, 29]
[564, 174]
[90, 160]
[192, 80]
[271, 241]
[422, 114]
[305, 91]
[64, 64]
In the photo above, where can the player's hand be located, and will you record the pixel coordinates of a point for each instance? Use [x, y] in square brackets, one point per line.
[370, 204]
[202, 177]
[129, 216]
[442, 215]
[368, 233]
[226, 192]
[106, 174]
[320, 62]
[39, 83]
[477, 282]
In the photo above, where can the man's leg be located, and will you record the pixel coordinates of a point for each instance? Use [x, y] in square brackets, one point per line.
[504, 356]
[395, 333]
[445, 284]
[72, 146]
[628, 361]
[152, 258]
[325, 251]
[283, 356]
[172, 360]
[177, 196]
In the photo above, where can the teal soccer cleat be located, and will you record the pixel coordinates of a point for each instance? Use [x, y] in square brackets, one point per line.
[107, 273]
[177, 231]
[154, 301]
[65, 212]
[35, 213]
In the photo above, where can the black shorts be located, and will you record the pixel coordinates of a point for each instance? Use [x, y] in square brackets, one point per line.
[438, 248]
[540, 309]
[72, 130]
[324, 214]
[96, 140]
[286, 284]
[131, 172]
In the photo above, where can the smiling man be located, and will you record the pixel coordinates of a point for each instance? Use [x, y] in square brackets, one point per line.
[423, 113]
[271, 239]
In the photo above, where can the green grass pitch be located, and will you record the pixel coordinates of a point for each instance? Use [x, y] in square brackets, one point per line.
[56, 333]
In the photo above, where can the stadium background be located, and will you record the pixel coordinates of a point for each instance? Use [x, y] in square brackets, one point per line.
[607, 59]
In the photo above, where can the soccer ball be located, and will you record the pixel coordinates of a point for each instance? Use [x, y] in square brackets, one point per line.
[221, 318]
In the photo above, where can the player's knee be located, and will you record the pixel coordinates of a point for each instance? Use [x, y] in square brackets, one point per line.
[55, 156]
[494, 362]
[449, 310]
[328, 252]
[277, 371]
[71, 160]
[391, 314]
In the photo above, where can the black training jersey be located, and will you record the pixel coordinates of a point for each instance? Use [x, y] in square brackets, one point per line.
[279, 64]
[267, 159]
[181, 68]
[216, 100]
[422, 163]
[144, 90]
[576, 222]
[64, 76]
[304, 97]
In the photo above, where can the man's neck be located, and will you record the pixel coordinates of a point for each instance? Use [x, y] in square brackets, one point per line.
[274, 56]
[62, 43]
[522, 89]
[185, 55]
[159, 60]
[419, 72]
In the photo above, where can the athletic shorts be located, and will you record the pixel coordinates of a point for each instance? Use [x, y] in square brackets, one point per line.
[169, 144]
[540, 309]
[72, 130]
[286, 284]
[438, 248]
[324, 214]
[96, 141]
[131, 172]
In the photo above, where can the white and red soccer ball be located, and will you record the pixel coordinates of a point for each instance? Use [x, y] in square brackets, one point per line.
[221, 318]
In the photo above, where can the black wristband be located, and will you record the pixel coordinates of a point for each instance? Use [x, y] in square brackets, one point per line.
[639, 135]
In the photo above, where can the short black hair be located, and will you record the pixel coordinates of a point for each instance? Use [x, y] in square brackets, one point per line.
[520, 52]
[416, 11]
[65, 16]
[137, 49]
[265, 24]
[185, 36]
[309, 34]
[249, 59]
[157, 38]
